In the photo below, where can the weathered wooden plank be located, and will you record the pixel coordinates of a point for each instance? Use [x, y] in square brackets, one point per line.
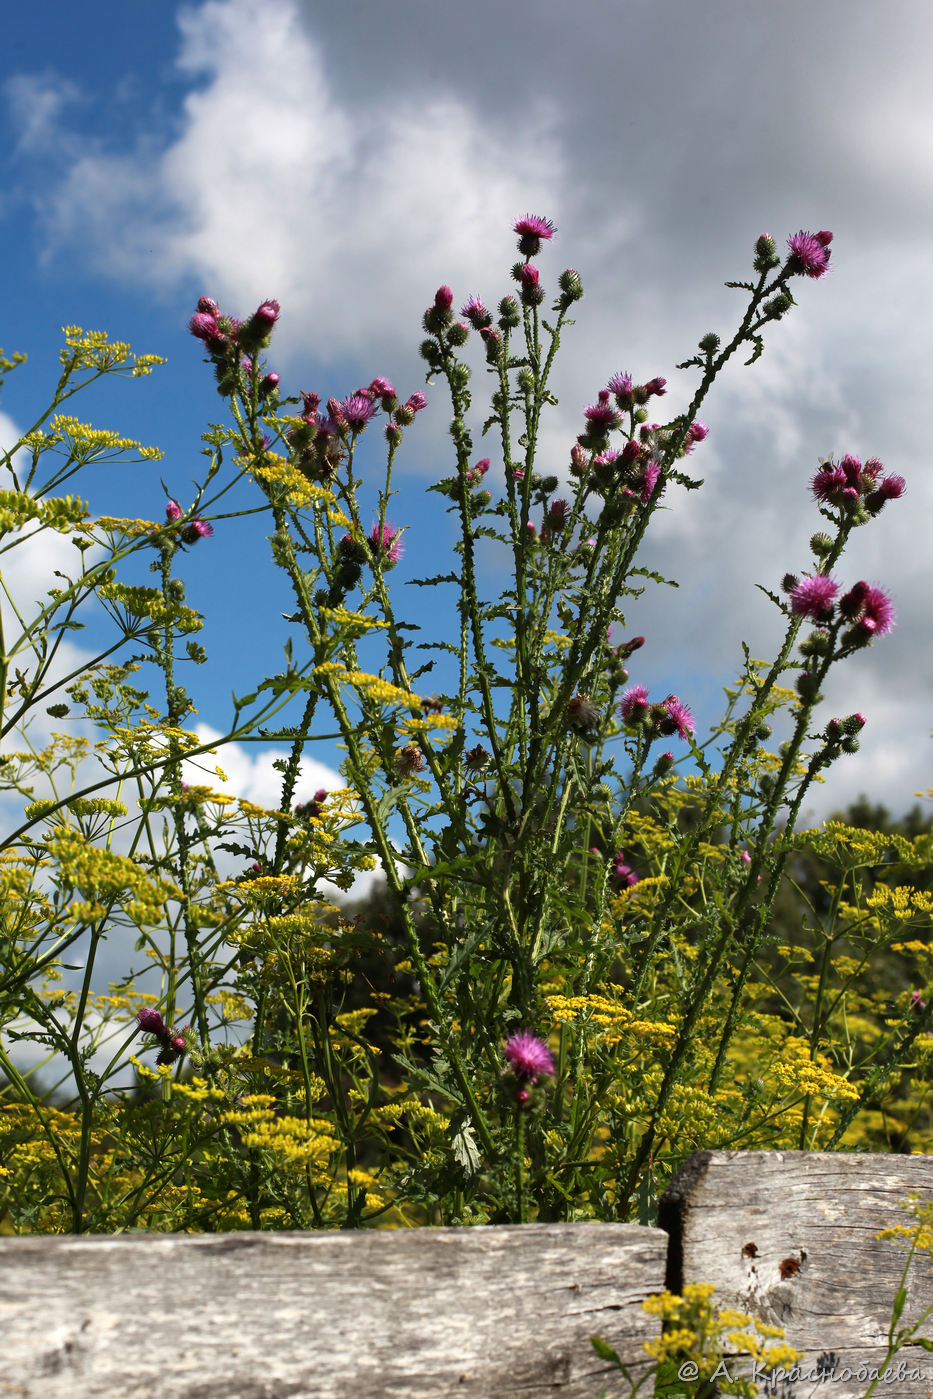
[789, 1236]
[485, 1313]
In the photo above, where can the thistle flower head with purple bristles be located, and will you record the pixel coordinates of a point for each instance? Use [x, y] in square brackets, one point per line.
[532, 231]
[357, 410]
[634, 704]
[810, 252]
[813, 596]
[677, 718]
[386, 544]
[528, 1056]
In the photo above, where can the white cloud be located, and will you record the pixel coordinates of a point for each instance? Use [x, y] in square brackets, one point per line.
[272, 186]
[351, 195]
[249, 771]
[37, 102]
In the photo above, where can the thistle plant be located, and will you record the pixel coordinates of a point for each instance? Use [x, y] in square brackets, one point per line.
[578, 953]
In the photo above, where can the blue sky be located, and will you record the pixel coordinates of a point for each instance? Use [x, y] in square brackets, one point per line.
[349, 159]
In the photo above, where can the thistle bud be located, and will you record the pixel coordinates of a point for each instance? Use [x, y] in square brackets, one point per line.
[778, 306]
[766, 255]
[430, 350]
[266, 315]
[821, 544]
[578, 460]
[850, 745]
[493, 345]
[710, 343]
[458, 334]
[807, 687]
[509, 314]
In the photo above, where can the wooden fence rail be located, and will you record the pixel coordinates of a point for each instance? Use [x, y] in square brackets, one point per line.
[485, 1313]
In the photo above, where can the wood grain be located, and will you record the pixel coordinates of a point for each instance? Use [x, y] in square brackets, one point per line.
[735, 1217]
[484, 1313]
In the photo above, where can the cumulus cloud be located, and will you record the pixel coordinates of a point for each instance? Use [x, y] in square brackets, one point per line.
[274, 185]
[349, 172]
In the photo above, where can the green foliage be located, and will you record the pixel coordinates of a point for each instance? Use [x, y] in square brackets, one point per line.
[318, 1065]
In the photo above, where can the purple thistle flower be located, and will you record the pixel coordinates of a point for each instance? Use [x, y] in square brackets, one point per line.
[649, 479]
[173, 512]
[634, 705]
[475, 312]
[678, 718]
[696, 432]
[621, 386]
[443, 299]
[208, 304]
[416, 402]
[357, 410]
[382, 387]
[829, 483]
[204, 326]
[813, 596]
[151, 1022]
[557, 513]
[386, 544]
[532, 226]
[602, 414]
[196, 529]
[656, 386]
[889, 488]
[266, 315]
[877, 617]
[528, 1056]
[173, 1046]
[851, 466]
[532, 232]
[528, 275]
[623, 872]
[810, 253]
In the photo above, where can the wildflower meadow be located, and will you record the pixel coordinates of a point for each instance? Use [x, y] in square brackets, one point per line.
[591, 949]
